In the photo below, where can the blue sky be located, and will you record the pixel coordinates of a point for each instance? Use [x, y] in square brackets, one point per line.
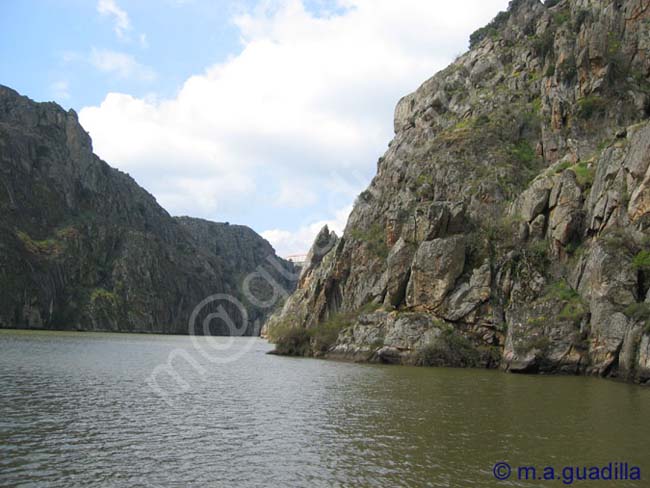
[269, 113]
[40, 36]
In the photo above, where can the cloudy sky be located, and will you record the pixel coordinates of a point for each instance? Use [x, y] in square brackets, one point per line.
[269, 113]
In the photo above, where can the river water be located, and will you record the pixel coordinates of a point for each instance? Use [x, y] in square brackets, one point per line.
[81, 409]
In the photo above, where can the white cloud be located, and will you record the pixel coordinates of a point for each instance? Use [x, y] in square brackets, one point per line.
[70, 56]
[307, 97]
[144, 43]
[207, 193]
[295, 194]
[121, 21]
[61, 90]
[120, 64]
[288, 243]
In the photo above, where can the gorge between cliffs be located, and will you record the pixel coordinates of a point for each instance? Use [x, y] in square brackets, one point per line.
[477, 316]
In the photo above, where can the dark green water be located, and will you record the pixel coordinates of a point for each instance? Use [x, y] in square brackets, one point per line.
[77, 410]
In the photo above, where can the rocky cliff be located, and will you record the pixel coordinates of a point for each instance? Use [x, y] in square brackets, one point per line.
[507, 225]
[83, 247]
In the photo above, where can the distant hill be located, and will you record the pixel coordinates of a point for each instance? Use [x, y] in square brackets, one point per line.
[83, 247]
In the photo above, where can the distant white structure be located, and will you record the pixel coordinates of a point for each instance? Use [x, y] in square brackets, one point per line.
[297, 259]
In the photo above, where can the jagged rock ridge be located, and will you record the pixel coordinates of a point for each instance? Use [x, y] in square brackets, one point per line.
[83, 247]
[507, 225]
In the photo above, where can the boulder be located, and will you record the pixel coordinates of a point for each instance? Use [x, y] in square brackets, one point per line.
[436, 267]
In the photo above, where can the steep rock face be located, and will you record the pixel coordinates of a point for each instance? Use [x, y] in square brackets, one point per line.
[507, 223]
[314, 298]
[82, 246]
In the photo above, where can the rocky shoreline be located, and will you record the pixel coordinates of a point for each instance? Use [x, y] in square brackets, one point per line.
[508, 223]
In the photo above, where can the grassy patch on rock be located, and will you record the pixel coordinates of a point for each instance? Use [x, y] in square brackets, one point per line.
[584, 174]
[574, 308]
[47, 248]
[375, 239]
[102, 295]
[642, 261]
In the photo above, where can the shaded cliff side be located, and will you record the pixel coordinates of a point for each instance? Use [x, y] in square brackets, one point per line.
[83, 247]
[507, 225]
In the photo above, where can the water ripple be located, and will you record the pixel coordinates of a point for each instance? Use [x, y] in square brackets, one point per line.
[75, 410]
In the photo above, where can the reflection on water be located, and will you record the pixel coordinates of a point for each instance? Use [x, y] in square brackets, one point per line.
[76, 410]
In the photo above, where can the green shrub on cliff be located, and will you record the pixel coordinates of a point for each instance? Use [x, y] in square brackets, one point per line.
[375, 239]
[290, 340]
[638, 311]
[574, 308]
[539, 342]
[573, 311]
[103, 296]
[293, 340]
[562, 17]
[543, 44]
[490, 30]
[562, 291]
[523, 152]
[580, 18]
[591, 106]
[324, 335]
[642, 261]
[567, 70]
[584, 174]
[448, 349]
[47, 248]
